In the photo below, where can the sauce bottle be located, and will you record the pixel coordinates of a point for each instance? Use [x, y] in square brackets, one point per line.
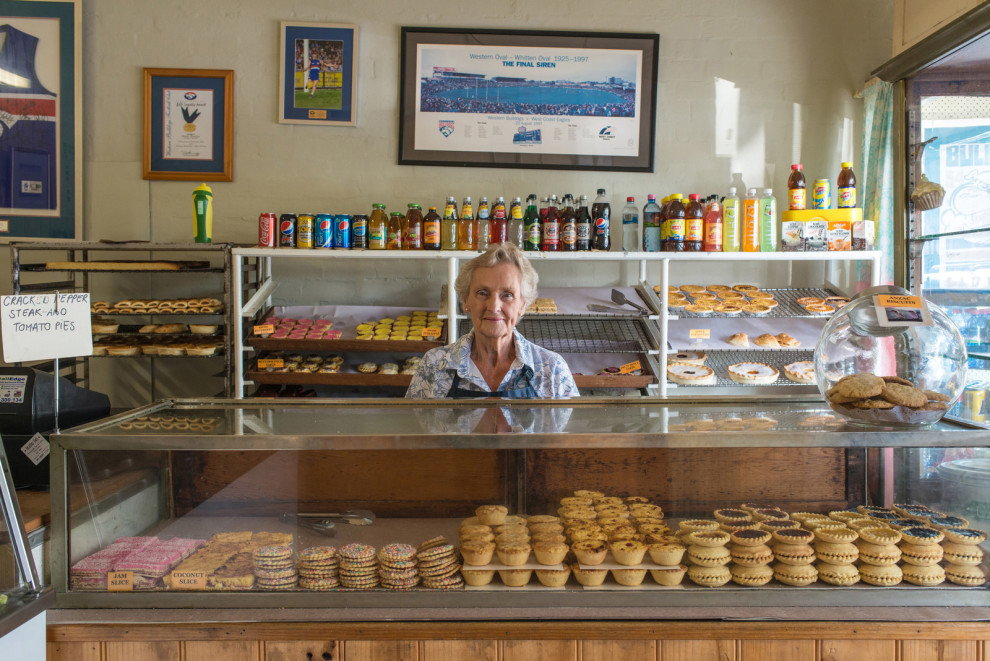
[797, 188]
[730, 222]
[412, 237]
[751, 222]
[713, 228]
[675, 224]
[431, 230]
[694, 224]
[847, 187]
[498, 227]
[465, 227]
[448, 225]
[377, 227]
[393, 240]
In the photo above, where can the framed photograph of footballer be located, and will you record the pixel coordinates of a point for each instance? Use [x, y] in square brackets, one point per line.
[528, 99]
[40, 119]
[189, 124]
[317, 75]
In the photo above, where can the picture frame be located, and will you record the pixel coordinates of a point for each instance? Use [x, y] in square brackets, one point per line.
[528, 99]
[41, 106]
[324, 54]
[188, 124]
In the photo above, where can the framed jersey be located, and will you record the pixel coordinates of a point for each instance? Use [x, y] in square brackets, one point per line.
[318, 74]
[40, 119]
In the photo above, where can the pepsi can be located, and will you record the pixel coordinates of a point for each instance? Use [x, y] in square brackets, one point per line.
[266, 230]
[287, 230]
[342, 231]
[323, 236]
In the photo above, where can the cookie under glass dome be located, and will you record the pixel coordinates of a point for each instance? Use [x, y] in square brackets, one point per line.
[931, 356]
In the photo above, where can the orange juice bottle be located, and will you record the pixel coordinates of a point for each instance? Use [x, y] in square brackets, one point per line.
[751, 222]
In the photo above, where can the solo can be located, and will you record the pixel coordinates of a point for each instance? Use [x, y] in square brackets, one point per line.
[267, 222]
[342, 231]
[821, 196]
[323, 233]
[287, 230]
[304, 230]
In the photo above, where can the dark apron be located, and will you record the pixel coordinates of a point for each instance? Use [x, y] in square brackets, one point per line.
[521, 388]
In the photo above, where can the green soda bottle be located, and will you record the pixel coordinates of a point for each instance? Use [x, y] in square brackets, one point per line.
[768, 222]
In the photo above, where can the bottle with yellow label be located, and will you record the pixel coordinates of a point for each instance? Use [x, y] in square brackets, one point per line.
[730, 222]
[465, 227]
[751, 222]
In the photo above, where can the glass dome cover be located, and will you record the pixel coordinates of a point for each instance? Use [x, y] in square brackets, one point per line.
[921, 359]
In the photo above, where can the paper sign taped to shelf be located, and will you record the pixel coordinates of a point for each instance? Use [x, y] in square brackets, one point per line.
[431, 332]
[700, 333]
[189, 580]
[264, 329]
[120, 581]
[37, 327]
[629, 368]
[274, 363]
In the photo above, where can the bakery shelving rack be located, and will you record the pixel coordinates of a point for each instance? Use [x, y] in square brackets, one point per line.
[258, 263]
[78, 266]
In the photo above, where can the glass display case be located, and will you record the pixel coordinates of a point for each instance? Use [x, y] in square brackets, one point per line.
[188, 504]
[22, 592]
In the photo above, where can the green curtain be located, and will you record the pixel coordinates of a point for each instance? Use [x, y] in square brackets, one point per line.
[878, 169]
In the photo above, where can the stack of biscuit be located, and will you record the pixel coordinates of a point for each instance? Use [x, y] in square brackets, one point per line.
[794, 557]
[397, 567]
[318, 568]
[964, 556]
[751, 557]
[837, 553]
[436, 562]
[274, 568]
[865, 391]
[165, 306]
[542, 305]
[358, 566]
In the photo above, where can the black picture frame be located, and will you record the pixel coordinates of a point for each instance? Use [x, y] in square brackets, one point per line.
[495, 92]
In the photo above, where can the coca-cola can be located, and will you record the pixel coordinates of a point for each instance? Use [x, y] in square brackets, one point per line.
[266, 230]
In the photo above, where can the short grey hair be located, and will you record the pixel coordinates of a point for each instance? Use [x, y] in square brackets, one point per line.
[500, 253]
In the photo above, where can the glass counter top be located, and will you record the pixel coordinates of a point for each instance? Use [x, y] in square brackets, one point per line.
[395, 424]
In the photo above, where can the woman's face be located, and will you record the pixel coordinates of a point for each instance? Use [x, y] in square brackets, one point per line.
[495, 300]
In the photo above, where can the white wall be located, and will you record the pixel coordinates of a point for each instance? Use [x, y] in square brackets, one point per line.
[794, 65]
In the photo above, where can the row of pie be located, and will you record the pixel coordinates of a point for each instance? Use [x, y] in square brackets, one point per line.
[745, 373]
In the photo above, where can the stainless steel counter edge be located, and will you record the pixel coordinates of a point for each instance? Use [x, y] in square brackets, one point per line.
[26, 608]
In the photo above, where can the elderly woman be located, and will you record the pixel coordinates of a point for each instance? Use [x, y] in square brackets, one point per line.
[494, 360]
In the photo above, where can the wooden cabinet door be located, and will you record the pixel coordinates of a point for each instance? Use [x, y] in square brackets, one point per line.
[142, 651]
[618, 650]
[941, 650]
[854, 650]
[380, 650]
[544, 650]
[698, 650]
[223, 650]
[445, 650]
[778, 650]
[88, 651]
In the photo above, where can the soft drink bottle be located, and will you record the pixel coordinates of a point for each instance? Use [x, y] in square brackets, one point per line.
[694, 224]
[551, 226]
[583, 223]
[396, 220]
[202, 198]
[412, 238]
[465, 227]
[448, 225]
[797, 188]
[630, 226]
[675, 224]
[568, 225]
[431, 230]
[768, 222]
[377, 227]
[730, 222]
[498, 227]
[713, 227]
[601, 215]
[516, 224]
[651, 224]
[846, 186]
[751, 222]
[531, 225]
[482, 228]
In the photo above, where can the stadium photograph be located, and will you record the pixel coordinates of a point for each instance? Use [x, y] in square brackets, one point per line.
[601, 85]
[318, 77]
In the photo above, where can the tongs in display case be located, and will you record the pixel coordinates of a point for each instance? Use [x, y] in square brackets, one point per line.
[324, 521]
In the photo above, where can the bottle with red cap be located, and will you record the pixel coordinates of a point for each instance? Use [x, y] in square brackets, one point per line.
[694, 224]
[797, 188]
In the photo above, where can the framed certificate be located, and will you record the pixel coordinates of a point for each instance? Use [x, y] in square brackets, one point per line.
[188, 124]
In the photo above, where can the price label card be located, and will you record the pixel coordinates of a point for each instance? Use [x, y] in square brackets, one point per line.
[264, 329]
[332, 335]
[189, 580]
[39, 327]
[265, 363]
[700, 333]
[893, 310]
[629, 368]
[431, 332]
[120, 581]
[36, 449]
